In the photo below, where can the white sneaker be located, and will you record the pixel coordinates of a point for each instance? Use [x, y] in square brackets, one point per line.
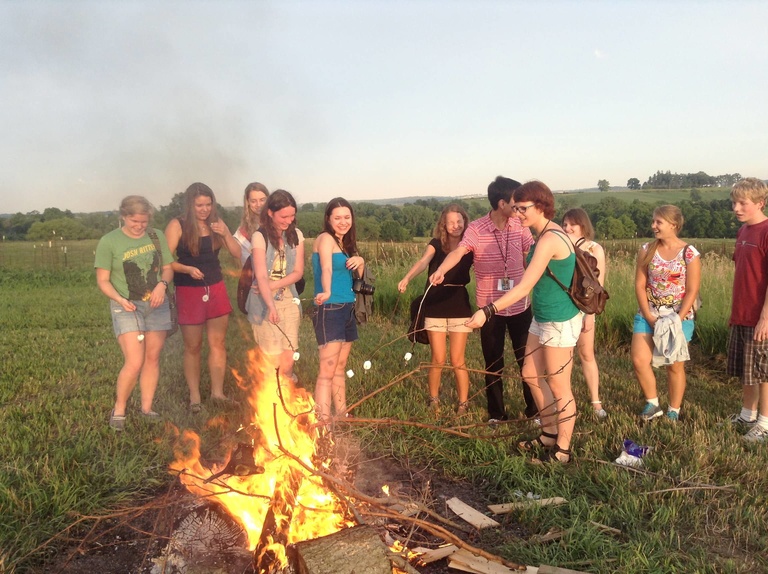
[735, 419]
[756, 434]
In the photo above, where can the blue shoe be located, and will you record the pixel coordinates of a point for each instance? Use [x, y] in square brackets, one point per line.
[651, 412]
[673, 416]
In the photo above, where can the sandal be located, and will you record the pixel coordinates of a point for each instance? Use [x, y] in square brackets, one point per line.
[195, 408]
[116, 422]
[536, 443]
[462, 409]
[551, 456]
[434, 404]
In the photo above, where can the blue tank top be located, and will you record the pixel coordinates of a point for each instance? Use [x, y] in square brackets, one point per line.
[341, 279]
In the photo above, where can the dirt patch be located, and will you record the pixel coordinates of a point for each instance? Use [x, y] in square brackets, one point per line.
[127, 541]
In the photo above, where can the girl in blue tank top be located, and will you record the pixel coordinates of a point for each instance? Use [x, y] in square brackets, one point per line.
[334, 261]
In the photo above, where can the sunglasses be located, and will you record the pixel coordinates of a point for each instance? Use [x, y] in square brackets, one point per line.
[522, 208]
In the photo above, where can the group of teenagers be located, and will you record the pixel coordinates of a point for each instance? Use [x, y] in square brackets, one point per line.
[135, 265]
[521, 259]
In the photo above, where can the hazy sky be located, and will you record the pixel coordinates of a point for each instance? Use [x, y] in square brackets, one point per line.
[371, 99]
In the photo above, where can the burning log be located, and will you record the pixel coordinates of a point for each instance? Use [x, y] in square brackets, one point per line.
[268, 556]
[356, 549]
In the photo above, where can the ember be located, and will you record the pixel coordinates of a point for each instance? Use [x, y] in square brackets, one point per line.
[276, 500]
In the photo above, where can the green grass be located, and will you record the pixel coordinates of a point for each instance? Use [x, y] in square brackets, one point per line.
[672, 196]
[700, 505]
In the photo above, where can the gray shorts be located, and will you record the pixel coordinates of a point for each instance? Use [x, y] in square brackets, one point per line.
[143, 319]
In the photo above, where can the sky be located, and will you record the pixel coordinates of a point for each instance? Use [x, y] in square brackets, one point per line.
[371, 99]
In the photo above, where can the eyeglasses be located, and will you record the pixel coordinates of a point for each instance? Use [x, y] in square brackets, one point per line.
[522, 208]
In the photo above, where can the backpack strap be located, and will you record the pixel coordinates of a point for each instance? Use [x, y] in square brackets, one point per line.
[570, 245]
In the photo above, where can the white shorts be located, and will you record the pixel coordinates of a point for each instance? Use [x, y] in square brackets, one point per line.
[558, 333]
[453, 325]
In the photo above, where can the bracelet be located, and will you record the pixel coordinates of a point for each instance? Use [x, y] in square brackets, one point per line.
[164, 282]
[489, 310]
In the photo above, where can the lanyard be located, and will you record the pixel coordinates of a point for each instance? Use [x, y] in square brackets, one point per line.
[504, 251]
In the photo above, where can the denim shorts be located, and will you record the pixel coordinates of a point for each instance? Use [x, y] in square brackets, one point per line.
[143, 319]
[643, 327]
[335, 322]
[558, 333]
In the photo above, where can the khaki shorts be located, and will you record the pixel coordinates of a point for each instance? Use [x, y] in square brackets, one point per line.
[452, 325]
[273, 340]
[558, 333]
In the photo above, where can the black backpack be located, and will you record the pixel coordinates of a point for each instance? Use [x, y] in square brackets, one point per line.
[585, 290]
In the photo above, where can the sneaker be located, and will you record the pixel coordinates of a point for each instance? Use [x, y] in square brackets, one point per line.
[601, 414]
[756, 434]
[735, 419]
[116, 422]
[673, 416]
[651, 412]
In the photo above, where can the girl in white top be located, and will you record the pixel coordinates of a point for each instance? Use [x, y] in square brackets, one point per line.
[254, 198]
[577, 225]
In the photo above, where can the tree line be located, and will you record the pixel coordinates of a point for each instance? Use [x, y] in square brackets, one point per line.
[613, 218]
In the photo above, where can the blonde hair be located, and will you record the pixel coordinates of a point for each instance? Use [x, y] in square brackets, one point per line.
[249, 222]
[749, 188]
[673, 215]
[136, 205]
[441, 232]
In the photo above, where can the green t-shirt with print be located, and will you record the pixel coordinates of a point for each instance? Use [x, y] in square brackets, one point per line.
[134, 264]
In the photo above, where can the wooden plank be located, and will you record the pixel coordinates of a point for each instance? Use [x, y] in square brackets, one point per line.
[356, 549]
[429, 555]
[468, 562]
[469, 514]
[510, 506]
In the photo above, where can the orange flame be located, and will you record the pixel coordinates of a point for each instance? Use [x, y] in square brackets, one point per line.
[309, 512]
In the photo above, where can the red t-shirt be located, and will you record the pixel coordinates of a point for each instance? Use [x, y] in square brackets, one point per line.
[750, 280]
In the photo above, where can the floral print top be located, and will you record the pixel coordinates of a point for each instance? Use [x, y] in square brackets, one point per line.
[666, 280]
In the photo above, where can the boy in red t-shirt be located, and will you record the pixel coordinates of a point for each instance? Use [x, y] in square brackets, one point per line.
[748, 325]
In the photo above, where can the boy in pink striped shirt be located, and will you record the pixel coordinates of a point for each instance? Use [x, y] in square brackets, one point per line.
[499, 244]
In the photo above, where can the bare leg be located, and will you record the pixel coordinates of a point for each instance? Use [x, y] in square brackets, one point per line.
[150, 372]
[559, 361]
[458, 343]
[193, 345]
[133, 352]
[586, 348]
[329, 357]
[676, 384]
[642, 353]
[763, 403]
[437, 346]
[340, 380]
[534, 369]
[216, 329]
[750, 396]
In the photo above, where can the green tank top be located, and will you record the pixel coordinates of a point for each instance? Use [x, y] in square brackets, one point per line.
[550, 302]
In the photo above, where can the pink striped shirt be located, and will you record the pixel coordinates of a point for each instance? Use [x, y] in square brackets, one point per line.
[498, 254]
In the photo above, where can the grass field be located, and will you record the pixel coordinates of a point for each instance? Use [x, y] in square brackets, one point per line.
[699, 505]
[673, 196]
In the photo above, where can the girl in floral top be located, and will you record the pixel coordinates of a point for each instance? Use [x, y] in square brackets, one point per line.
[666, 280]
